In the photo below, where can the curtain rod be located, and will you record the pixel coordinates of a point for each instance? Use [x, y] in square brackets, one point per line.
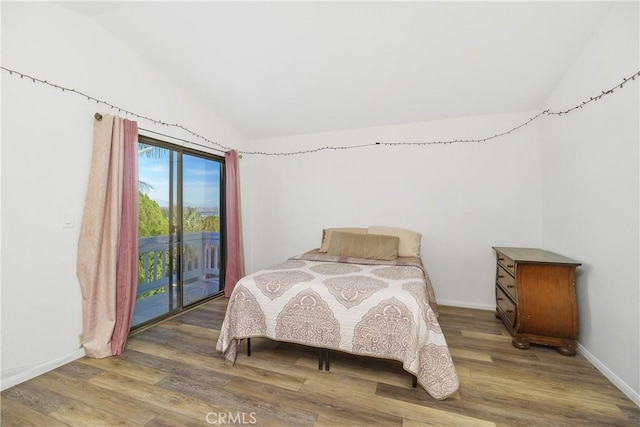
[98, 117]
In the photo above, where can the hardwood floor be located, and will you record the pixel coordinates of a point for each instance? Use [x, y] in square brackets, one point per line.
[171, 375]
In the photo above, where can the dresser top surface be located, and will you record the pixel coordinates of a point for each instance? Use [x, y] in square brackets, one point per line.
[537, 255]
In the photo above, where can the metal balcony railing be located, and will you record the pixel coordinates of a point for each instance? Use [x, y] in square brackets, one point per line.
[200, 261]
[157, 290]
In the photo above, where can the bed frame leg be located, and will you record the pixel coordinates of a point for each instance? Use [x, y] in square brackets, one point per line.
[248, 346]
[414, 381]
[323, 359]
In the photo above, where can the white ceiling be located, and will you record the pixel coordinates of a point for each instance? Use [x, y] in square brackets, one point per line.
[282, 68]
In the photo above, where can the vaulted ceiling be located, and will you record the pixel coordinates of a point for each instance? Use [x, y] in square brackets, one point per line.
[282, 68]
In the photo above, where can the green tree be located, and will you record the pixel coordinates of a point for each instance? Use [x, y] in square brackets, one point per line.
[191, 220]
[151, 222]
[211, 223]
[194, 222]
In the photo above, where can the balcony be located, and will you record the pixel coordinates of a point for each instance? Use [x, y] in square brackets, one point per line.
[157, 292]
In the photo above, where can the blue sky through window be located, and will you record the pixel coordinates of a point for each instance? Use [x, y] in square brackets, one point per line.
[201, 180]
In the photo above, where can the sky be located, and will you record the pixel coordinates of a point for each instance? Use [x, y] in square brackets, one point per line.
[201, 180]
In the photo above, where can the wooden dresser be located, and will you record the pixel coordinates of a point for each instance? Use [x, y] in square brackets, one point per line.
[536, 297]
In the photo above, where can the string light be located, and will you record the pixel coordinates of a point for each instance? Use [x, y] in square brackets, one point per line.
[327, 148]
[114, 107]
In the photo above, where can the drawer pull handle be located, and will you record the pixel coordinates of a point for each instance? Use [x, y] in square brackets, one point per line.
[500, 259]
[500, 276]
[510, 286]
[500, 299]
[509, 265]
[509, 311]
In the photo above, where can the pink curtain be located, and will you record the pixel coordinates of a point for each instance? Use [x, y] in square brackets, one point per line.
[235, 257]
[127, 270]
[107, 266]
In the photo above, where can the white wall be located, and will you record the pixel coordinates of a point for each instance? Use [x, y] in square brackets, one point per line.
[590, 194]
[46, 149]
[568, 184]
[463, 198]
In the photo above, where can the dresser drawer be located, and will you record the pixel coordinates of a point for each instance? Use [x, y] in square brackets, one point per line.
[506, 308]
[536, 297]
[507, 263]
[507, 281]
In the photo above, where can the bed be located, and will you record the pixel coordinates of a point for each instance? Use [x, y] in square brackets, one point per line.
[360, 293]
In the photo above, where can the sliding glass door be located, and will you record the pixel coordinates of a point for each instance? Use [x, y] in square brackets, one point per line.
[180, 229]
[201, 183]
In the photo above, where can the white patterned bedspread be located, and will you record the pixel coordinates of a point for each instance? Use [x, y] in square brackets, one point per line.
[382, 309]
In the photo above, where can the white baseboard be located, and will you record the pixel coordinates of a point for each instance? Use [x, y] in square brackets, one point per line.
[465, 304]
[15, 376]
[624, 387]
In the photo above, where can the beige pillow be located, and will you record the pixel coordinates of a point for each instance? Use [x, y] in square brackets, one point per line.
[409, 240]
[370, 246]
[326, 235]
